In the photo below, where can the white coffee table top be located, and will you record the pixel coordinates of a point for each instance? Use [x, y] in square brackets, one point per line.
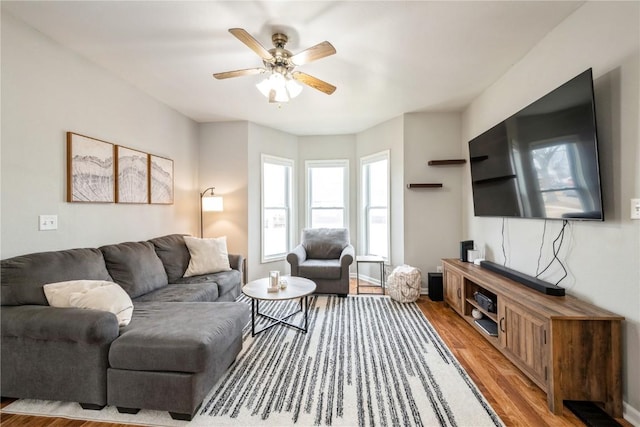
[297, 287]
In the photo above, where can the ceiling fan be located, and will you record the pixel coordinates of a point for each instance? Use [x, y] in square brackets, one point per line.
[282, 82]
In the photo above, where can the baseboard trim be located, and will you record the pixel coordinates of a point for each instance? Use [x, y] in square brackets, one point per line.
[631, 414]
[368, 279]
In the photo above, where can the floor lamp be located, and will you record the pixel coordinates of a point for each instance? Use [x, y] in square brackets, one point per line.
[209, 203]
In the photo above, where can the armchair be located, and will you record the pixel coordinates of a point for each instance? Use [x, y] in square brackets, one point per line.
[324, 256]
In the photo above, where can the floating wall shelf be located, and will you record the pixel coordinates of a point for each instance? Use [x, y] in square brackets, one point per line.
[446, 162]
[438, 185]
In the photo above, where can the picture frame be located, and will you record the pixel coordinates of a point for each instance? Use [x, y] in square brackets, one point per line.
[132, 175]
[160, 180]
[90, 170]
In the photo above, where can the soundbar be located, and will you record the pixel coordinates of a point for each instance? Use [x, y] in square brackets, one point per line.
[529, 281]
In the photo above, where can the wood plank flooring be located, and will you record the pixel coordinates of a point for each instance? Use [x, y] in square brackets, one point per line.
[512, 395]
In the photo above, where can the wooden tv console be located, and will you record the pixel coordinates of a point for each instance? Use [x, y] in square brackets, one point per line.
[569, 348]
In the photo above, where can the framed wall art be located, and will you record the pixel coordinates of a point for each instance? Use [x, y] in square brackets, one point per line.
[90, 169]
[160, 180]
[132, 175]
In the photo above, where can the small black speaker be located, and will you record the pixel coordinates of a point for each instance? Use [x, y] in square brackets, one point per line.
[434, 282]
[465, 246]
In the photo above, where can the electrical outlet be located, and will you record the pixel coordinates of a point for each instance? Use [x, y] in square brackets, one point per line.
[635, 208]
[439, 269]
[47, 222]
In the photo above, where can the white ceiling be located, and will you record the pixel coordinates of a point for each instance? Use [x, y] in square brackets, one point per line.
[393, 57]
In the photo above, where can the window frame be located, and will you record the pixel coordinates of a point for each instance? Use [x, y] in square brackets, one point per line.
[333, 163]
[365, 161]
[290, 208]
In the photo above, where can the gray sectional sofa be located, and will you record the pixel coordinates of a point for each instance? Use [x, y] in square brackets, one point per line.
[183, 335]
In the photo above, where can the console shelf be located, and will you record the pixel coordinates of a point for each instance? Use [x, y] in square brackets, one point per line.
[475, 305]
[569, 348]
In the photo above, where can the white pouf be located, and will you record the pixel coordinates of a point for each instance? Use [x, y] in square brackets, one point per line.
[404, 283]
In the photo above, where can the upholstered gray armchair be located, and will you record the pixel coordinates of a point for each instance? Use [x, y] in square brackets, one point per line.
[324, 256]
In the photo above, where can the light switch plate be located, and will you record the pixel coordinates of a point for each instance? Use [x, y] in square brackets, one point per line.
[47, 222]
[635, 208]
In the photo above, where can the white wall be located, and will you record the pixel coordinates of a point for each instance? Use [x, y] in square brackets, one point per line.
[46, 91]
[263, 140]
[603, 259]
[223, 165]
[432, 216]
[388, 136]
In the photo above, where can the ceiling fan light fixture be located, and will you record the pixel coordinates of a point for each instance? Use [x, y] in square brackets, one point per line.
[293, 87]
[281, 95]
[283, 83]
[279, 88]
[264, 87]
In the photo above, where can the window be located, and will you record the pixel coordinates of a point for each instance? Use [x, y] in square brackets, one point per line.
[276, 207]
[327, 193]
[557, 166]
[375, 204]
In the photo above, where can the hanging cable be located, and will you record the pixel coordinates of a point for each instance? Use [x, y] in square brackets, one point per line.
[544, 231]
[556, 250]
[504, 253]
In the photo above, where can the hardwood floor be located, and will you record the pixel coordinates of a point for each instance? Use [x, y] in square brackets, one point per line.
[517, 400]
[512, 395]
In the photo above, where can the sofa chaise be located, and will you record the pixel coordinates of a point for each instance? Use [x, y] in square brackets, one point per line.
[183, 334]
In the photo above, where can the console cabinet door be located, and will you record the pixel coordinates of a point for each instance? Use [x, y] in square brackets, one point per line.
[523, 335]
[453, 289]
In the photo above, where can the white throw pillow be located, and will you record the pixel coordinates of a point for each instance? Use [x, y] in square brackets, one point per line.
[58, 294]
[207, 255]
[94, 294]
[110, 298]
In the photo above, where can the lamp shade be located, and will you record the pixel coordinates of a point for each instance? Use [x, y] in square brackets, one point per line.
[212, 204]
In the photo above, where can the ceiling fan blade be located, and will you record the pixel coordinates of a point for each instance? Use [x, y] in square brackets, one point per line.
[251, 42]
[314, 82]
[239, 73]
[314, 52]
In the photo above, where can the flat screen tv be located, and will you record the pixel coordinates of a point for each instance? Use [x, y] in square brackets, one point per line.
[542, 162]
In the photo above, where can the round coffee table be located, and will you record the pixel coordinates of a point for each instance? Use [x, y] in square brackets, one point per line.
[297, 287]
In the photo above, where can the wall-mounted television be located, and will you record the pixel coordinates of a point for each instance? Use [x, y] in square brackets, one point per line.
[542, 162]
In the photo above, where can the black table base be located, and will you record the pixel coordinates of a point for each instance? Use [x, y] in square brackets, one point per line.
[255, 312]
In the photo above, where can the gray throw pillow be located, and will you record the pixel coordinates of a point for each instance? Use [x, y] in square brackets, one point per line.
[174, 254]
[135, 266]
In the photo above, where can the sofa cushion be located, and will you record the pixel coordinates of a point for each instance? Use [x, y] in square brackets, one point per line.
[229, 281]
[324, 243]
[204, 291]
[22, 277]
[320, 269]
[207, 255]
[178, 337]
[225, 280]
[135, 266]
[174, 254]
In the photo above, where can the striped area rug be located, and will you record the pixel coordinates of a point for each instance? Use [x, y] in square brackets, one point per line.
[365, 361]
